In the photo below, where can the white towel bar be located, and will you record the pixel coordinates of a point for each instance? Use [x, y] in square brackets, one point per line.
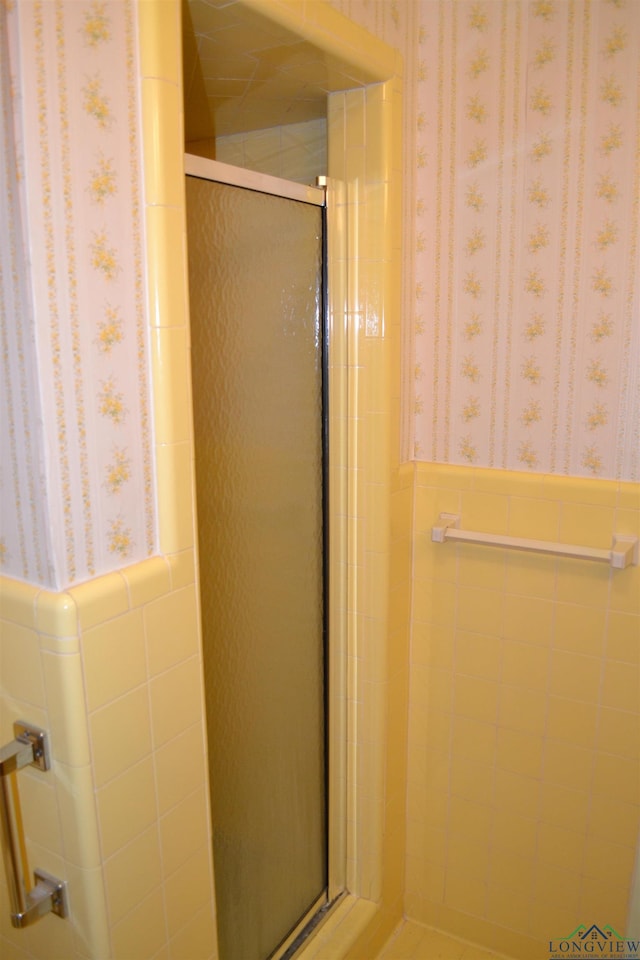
[623, 553]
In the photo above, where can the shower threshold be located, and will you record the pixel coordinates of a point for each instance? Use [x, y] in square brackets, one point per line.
[307, 925]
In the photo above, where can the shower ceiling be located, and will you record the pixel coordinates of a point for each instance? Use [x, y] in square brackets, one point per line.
[242, 71]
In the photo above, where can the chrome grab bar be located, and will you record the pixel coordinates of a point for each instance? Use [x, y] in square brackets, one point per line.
[48, 895]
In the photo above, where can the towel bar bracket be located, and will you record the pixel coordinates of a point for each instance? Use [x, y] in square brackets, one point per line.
[447, 521]
[624, 552]
[30, 748]
[49, 895]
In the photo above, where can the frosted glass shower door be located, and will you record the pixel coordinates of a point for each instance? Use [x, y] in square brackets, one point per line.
[255, 275]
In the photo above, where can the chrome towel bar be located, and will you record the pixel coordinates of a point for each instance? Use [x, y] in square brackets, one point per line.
[49, 895]
[623, 553]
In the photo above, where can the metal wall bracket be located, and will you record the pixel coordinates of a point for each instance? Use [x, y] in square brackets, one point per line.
[48, 895]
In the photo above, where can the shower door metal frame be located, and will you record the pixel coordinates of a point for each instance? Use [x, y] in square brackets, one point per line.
[251, 180]
[334, 450]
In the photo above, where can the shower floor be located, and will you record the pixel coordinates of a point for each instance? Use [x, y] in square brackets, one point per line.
[412, 941]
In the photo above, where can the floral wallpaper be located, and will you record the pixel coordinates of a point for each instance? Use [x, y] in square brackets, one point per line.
[70, 97]
[522, 167]
[21, 435]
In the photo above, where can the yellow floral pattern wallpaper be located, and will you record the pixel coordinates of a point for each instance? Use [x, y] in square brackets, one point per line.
[21, 438]
[72, 294]
[522, 217]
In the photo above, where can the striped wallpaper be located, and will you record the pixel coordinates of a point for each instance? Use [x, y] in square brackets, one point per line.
[522, 171]
[23, 519]
[76, 444]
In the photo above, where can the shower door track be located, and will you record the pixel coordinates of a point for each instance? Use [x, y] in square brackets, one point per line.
[251, 180]
[319, 911]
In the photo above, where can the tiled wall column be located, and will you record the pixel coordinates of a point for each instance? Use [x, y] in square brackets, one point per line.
[142, 673]
[362, 158]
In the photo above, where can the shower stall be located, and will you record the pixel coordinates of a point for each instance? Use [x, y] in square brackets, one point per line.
[258, 348]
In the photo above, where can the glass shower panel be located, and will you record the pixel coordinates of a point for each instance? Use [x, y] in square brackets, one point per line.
[255, 275]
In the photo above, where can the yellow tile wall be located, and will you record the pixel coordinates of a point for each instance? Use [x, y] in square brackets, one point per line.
[144, 703]
[297, 151]
[123, 815]
[41, 671]
[524, 725]
[148, 760]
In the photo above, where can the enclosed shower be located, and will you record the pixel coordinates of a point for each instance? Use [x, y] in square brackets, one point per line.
[257, 340]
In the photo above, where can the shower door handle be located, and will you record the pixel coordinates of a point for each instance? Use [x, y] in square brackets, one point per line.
[49, 895]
